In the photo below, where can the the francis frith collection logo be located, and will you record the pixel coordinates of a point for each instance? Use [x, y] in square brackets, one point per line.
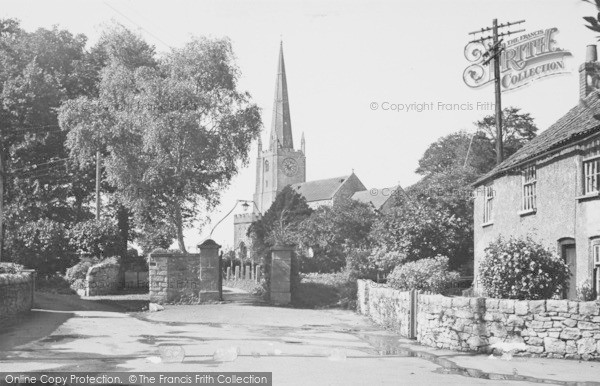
[523, 59]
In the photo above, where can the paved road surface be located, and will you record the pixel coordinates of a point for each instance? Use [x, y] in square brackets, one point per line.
[300, 347]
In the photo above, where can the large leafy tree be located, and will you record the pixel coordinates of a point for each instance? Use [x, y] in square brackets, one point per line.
[39, 70]
[174, 135]
[478, 151]
[332, 232]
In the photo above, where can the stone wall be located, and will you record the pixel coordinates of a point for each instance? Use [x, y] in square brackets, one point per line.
[103, 278]
[386, 306]
[185, 277]
[16, 294]
[548, 328]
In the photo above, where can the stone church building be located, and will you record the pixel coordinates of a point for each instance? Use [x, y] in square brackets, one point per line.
[279, 164]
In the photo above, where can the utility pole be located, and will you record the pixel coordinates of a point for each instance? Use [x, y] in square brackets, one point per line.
[493, 54]
[98, 185]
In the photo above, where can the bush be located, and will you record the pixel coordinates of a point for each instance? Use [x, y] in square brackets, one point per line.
[371, 264]
[10, 268]
[585, 292]
[522, 269]
[42, 245]
[96, 238]
[426, 275]
[79, 270]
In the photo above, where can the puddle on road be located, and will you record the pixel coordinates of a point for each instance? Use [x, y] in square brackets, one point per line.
[386, 345]
[60, 338]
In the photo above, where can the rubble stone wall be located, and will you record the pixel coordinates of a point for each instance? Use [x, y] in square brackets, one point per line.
[546, 328]
[103, 278]
[16, 294]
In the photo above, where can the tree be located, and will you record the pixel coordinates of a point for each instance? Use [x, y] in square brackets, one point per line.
[415, 230]
[178, 132]
[39, 71]
[478, 151]
[280, 223]
[332, 232]
[517, 129]
[593, 22]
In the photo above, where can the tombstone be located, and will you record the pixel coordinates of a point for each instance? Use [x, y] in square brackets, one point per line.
[236, 272]
[257, 273]
[281, 269]
[228, 276]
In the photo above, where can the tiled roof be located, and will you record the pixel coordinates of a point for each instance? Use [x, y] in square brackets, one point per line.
[320, 189]
[377, 197]
[579, 122]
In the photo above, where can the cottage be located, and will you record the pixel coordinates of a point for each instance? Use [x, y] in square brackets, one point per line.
[550, 189]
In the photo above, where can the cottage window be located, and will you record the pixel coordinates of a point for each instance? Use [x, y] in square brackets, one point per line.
[591, 175]
[488, 204]
[529, 191]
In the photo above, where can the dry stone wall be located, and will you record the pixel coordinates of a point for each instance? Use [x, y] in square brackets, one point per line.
[103, 278]
[16, 294]
[547, 328]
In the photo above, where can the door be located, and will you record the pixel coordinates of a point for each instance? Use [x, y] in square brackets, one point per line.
[569, 255]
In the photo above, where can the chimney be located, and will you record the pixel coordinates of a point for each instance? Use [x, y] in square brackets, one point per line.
[587, 72]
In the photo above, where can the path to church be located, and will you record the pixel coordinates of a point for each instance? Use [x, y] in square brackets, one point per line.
[303, 347]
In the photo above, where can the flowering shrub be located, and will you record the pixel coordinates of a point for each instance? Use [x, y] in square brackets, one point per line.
[522, 269]
[425, 274]
[10, 267]
[79, 270]
[585, 292]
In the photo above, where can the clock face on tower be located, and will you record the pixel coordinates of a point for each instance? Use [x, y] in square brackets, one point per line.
[290, 167]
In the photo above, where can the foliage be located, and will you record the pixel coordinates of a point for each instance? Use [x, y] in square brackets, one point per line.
[96, 238]
[326, 290]
[173, 135]
[415, 230]
[10, 267]
[522, 269]
[79, 271]
[585, 292]
[593, 22]
[53, 283]
[332, 232]
[517, 129]
[39, 71]
[42, 245]
[452, 152]
[361, 265]
[430, 274]
[280, 223]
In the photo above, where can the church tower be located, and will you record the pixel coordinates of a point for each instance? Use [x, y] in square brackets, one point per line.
[279, 164]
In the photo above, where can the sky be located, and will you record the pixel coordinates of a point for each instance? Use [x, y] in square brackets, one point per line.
[343, 58]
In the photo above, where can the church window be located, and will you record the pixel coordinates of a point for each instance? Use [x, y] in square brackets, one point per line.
[266, 184]
[266, 165]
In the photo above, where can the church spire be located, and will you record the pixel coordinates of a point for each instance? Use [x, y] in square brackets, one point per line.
[281, 126]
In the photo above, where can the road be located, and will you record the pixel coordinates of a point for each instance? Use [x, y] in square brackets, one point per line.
[300, 347]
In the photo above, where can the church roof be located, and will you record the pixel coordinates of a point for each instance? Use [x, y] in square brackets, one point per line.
[581, 121]
[376, 197]
[281, 125]
[320, 189]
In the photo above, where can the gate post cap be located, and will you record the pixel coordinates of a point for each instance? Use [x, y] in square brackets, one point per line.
[209, 244]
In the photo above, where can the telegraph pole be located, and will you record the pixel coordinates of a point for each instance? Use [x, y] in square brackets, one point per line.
[98, 185]
[493, 54]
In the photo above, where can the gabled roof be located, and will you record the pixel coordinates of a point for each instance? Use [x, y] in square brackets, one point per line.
[376, 197]
[579, 122]
[320, 189]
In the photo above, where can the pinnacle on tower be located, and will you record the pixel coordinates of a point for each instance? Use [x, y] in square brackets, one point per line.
[281, 126]
[303, 144]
